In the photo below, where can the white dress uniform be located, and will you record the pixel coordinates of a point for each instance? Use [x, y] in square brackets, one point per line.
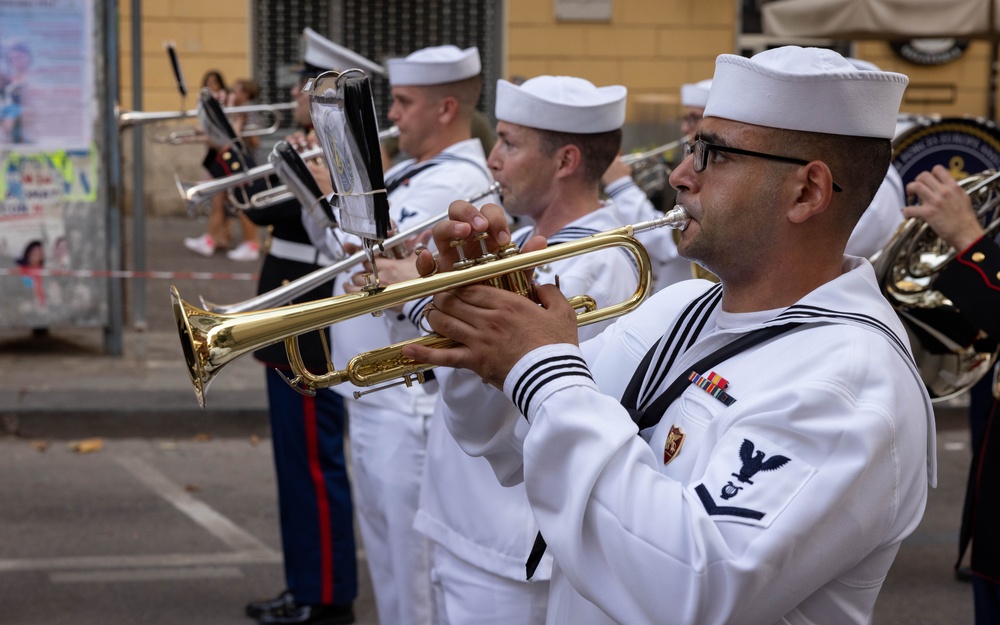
[388, 429]
[779, 495]
[482, 531]
[881, 219]
[634, 206]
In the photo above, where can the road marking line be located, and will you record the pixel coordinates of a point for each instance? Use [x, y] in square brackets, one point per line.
[145, 575]
[198, 511]
[151, 561]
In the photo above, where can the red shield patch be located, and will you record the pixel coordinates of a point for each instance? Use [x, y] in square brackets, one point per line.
[675, 438]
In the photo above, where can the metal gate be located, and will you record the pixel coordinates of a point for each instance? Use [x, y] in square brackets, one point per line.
[378, 30]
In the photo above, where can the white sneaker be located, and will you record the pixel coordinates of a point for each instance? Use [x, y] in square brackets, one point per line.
[203, 245]
[244, 251]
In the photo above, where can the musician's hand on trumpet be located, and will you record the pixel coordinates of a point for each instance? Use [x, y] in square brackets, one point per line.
[464, 221]
[495, 328]
[302, 141]
[945, 206]
[321, 174]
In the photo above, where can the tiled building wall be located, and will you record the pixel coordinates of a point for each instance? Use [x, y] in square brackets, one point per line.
[207, 35]
[954, 89]
[650, 46]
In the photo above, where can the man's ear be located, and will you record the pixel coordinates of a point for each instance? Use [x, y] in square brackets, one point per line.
[813, 191]
[570, 160]
[447, 109]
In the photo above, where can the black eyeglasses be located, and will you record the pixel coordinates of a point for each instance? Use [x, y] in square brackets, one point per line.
[702, 150]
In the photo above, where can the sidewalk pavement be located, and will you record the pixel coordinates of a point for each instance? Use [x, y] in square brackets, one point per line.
[63, 384]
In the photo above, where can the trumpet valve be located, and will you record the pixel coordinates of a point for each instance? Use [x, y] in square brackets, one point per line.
[459, 246]
[508, 250]
[485, 255]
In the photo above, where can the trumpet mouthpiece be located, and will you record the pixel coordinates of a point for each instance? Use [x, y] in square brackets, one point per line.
[676, 218]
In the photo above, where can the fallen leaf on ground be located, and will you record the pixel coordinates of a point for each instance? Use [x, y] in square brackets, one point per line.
[87, 446]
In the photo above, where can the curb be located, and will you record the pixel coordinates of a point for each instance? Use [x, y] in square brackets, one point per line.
[158, 414]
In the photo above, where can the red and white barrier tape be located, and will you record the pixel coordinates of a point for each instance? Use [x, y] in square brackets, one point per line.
[94, 273]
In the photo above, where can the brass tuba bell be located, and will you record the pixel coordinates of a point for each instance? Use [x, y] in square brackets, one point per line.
[946, 347]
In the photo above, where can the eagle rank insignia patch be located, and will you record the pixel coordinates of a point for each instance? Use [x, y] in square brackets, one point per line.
[675, 438]
[750, 480]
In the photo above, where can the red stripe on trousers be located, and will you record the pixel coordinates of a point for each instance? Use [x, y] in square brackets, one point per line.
[322, 504]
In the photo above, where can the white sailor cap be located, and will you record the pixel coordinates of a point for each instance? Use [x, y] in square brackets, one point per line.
[863, 65]
[696, 94]
[561, 103]
[434, 66]
[323, 55]
[807, 89]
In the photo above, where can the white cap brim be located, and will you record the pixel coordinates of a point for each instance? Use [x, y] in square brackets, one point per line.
[696, 94]
[561, 103]
[434, 66]
[807, 89]
[325, 54]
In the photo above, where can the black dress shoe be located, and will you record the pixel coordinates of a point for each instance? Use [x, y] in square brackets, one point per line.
[255, 609]
[294, 614]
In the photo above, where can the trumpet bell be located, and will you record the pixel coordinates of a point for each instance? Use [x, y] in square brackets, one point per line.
[193, 344]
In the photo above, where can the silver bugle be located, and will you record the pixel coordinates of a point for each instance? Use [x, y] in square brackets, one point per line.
[195, 194]
[632, 159]
[287, 292]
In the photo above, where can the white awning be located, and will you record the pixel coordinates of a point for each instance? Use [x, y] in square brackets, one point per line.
[882, 19]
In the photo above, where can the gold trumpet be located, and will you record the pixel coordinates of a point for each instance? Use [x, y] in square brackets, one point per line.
[210, 341]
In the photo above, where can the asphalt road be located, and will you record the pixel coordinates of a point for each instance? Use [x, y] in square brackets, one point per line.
[150, 531]
[164, 531]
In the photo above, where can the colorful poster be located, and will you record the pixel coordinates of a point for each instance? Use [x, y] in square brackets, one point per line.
[47, 224]
[46, 75]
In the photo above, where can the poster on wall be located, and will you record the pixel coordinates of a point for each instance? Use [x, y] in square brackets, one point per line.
[48, 234]
[46, 75]
[52, 232]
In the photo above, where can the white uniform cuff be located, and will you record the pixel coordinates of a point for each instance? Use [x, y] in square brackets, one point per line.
[617, 186]
[414, 309]
[544, 371]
